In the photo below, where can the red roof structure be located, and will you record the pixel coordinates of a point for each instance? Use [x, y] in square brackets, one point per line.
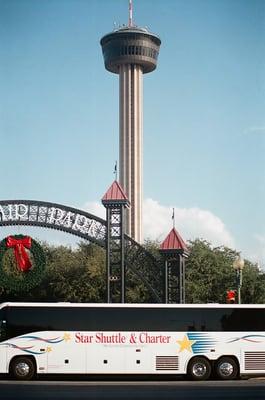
[174, 242]
[115, 194]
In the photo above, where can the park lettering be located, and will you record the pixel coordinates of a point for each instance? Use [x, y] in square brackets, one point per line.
[55, 216]
[13, 212]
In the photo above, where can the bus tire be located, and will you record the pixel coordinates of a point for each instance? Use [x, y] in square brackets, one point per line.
[199, 369]
[22, 368]
[226, 368]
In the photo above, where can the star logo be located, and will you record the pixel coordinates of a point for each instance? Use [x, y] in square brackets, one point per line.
[66, 337]
[48, 349]
[185, 344]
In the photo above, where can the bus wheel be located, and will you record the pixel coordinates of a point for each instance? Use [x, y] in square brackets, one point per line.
[22, 368]
[199, 369]
[226, 368]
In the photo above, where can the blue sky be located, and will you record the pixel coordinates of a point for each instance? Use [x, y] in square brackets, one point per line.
[204, 119]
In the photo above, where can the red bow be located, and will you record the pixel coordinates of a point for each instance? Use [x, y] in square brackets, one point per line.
[21, 255]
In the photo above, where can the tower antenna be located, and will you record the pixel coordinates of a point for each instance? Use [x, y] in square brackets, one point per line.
[130, 14]
[116, 170]
[173, 218]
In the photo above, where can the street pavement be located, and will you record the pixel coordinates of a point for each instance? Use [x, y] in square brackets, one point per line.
[253, 389]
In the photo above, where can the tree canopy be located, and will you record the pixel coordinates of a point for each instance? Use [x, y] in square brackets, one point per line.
[79, 275]
[210, 273]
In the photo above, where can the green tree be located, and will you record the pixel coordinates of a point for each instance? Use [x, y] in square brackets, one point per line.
[79, 275]
[210, 273]
[253, 287]
[76, 275]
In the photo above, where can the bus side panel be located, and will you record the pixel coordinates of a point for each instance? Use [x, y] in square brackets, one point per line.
[65, 356]
[28, 346]
[134, 353]
[140, 360]
[54, 352]
[105, 359]
[253, 357]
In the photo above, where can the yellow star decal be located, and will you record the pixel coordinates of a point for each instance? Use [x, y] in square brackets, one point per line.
[67, 337]
[185, 344]
[49, 349]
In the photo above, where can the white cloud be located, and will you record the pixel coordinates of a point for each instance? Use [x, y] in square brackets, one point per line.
[95, 208]
[258, 250]
[191, 223]
[257, 129]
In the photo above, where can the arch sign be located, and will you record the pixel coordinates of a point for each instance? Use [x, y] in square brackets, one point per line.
[54, 216]
[84, 225]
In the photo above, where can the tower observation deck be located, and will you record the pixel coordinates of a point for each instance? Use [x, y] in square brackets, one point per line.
[131, 51]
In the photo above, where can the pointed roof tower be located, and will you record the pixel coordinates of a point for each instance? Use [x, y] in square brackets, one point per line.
[115, 196]
[174, 243]
[174, 251]
[115, 201]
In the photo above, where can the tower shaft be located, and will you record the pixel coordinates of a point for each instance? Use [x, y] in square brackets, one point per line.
[131, 51]
[131, 144]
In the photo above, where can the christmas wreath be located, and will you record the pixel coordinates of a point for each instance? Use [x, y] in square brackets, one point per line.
[22, 263]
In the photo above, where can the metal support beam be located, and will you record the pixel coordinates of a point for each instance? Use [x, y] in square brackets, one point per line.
[115, 259]
[174, 278]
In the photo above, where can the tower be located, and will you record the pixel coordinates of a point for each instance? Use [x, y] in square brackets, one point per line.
[174, 251]
[115, 202]
[130, 52]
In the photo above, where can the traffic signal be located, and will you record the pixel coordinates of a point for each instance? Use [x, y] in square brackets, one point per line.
[231, 296]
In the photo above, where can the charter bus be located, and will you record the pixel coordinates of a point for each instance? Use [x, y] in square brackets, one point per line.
[224, 341]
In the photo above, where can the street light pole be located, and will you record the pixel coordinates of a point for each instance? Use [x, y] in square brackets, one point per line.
[238, 265]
